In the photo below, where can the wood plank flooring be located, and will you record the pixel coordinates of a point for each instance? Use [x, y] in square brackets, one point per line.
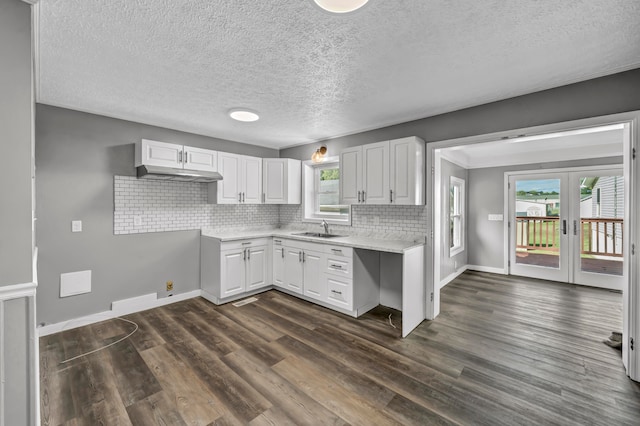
[504, 351]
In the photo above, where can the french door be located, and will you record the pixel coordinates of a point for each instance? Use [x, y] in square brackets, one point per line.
[568, 226]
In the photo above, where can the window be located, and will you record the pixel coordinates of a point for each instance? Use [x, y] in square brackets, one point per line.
[456, 215]
[322, 193]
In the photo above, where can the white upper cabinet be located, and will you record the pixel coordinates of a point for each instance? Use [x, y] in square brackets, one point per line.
[389, 172]
[351, 175]
[200, 159]
[241, 179]
[375, 173]
[251, 181]
[229, 187]
[281, 180]
[154, 153]
[406, 171]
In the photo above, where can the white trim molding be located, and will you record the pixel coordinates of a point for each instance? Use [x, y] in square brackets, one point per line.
[17, 291]
[490, 269]
[118, 308]
[453, 276]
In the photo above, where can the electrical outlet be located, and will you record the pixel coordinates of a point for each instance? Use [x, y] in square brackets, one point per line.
[169, 285]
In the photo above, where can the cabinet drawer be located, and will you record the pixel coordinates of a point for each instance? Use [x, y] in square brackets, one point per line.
[340, 266]
[338, 250]
[240, 244]
[340, 292]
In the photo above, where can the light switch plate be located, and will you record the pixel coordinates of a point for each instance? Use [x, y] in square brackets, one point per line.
[76, 226]
[496, 217]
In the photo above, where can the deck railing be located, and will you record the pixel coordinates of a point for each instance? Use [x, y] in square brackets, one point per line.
[598, 236]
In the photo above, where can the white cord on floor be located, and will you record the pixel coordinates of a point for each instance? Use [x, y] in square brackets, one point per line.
[107, 346]
[391, 322]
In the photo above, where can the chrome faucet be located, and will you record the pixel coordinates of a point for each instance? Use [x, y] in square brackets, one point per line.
[326, 226]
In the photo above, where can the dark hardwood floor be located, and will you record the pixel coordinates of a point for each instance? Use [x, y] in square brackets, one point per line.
[504, 351]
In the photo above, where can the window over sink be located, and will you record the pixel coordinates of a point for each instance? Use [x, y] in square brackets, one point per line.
[322, 193]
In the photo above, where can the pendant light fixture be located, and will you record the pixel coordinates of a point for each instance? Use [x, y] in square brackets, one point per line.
[318, 155]
[341, 6]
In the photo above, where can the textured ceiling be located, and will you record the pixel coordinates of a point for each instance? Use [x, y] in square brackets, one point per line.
[312, 75]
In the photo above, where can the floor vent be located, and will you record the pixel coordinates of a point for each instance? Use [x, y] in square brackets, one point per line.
[245, 302]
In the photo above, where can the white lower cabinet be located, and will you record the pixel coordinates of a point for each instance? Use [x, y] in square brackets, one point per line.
[303, 266]
[278, 262]
[230, 269]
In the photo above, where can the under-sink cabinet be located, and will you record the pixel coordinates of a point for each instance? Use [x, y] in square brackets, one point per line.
[230, 269]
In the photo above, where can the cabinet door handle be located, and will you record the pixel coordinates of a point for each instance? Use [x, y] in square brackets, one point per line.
[575, 227]
[239, 197]
[282, 251]
[358, 196]
[391, 195]
[244, 254]
[243, 197]
[364, 196]
[248, 254]
[336, 292]
[299, 256]
[263, 197]
[179, 156]
[304, 257]
[564, 227]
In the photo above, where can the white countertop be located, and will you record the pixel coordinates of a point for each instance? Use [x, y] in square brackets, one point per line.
[355, 241]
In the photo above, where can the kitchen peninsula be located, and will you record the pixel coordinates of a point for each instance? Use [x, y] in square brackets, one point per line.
[349, 274]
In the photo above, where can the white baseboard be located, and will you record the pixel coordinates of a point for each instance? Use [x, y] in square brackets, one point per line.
[118, 308]
[489, 269]
[453, 276]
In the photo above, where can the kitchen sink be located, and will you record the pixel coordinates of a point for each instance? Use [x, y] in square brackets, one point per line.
[317, 234]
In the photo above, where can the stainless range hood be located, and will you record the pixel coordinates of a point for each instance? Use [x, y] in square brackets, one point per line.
[181, 175]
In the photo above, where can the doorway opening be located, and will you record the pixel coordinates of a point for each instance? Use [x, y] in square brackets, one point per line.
[584, 231]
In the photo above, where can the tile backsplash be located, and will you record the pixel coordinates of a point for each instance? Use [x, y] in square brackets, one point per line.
[369, 219]
[142, 206]
[161, 206]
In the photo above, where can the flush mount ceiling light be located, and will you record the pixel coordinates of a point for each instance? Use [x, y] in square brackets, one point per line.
[243, 114]
[340, 6]
[318, 155]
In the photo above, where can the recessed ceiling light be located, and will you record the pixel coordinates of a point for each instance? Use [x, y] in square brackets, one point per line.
[243, 114]
[341, 6]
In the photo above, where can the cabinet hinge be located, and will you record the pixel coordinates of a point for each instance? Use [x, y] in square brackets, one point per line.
[633, 249]
[432, 296]
[433, 170]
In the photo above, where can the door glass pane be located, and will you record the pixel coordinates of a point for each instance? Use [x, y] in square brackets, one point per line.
[538, 222]
[601, 224]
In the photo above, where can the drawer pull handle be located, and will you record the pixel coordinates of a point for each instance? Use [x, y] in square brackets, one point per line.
[336, 266]
[277, 241]
[248, 242]
[336, 292]
[336, 250]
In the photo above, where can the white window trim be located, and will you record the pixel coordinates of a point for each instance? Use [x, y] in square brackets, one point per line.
[309, 214]
[453, 180]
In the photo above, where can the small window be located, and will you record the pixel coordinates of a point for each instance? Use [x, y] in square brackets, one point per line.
[456, 215]
[322, 193]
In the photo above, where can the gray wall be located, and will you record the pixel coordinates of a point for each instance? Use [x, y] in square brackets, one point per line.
[601, 96]
[77, 155]
[449, 265]
[16, 124]
[16, 127]
[485, 189]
